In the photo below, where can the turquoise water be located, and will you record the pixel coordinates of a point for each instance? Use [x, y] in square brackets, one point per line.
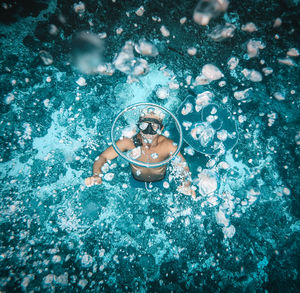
[60, 92]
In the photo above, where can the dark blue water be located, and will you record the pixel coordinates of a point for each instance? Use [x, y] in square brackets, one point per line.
[67, 71]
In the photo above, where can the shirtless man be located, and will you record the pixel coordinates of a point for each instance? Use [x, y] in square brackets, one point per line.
[148, 146]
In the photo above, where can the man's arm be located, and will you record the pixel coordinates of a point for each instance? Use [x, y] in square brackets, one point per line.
[108, 155]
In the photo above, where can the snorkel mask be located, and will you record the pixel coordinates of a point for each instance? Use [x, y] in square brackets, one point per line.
[150, 126]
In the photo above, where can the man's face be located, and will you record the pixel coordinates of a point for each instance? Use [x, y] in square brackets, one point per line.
[150, 126]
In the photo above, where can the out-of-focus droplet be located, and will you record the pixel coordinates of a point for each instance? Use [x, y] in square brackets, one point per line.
[249, 27]
[146, 48]
[207, 9]
[252, 75]
[277, 22]
[222, 32]
[140, 11]
[164, 31]
[46, 57]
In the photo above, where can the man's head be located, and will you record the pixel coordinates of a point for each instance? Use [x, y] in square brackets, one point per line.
[150, 121]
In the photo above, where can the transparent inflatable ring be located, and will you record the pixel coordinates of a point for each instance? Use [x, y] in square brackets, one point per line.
[143, 164]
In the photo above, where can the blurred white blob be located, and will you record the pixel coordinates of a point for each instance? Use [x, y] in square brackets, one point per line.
[249, 27]
[106, 69]
[228, 231]
[223, 165]
[81, 81]
[62, 279]
[233, 63]
[102, 35]
[271, 118]
[206, 182]
[209, 73]
[86, 260]
[222, 32]
[203, 132]
[287, 61]
[221, 218]
[297, 138]
[173, 85]
[87, 50]
[119, 30]
[252, 75]
[203, 100]
[140, 11]
[189, 150]
[207, 9]
[279, 96]
[293, 52]
[188, 107]
[164, 31]
[82, 283]
[222, 135]
[79, 8]
[135, 153]
[109, 176]
[183, 20]
[9, 98]
[192, 51]
[267, 71]
[46, 57]
[241, 95]
[253, 47]
[146, 48]
[53, 30]
[162, 93]
[186, 124]
[127, 63]
[277, 22]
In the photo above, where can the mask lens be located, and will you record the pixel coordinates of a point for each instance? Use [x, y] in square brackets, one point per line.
[155, 126]
[149, 126]
[143, 125]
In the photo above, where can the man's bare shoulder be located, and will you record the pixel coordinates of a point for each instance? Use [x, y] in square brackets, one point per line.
[167, 142]
[126, 142]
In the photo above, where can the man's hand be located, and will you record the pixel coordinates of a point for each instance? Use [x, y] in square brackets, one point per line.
[93, 180]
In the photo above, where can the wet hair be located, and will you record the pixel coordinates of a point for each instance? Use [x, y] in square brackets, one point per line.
[153, 111]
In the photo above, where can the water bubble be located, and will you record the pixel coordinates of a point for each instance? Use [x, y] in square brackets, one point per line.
[162, 93]
[252, 75]
[164, 31]
[79, 8]
[81, 81]
[140, 11]
[249, 27]
[86, 260]
[228, 231]
[109, 176]
[293, 52]
[277, 22]
[128, 64]
[154, 156]
[222, 32]
[207, 9]
[46, 57]
[253, 47]
[82, 283]
[87, 51]
[207, 183]
[146, 48]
